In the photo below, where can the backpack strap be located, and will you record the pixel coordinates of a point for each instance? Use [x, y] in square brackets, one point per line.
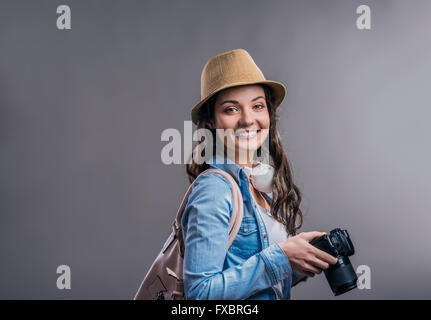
[237, 210]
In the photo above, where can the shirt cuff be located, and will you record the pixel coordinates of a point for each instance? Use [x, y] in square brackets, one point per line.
[276, 263]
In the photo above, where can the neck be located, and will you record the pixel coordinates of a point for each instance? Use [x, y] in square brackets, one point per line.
[242, 161]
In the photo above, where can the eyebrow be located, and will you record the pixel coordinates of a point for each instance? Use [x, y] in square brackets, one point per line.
[236, 102]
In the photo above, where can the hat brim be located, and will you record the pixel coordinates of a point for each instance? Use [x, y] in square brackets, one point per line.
[278, 89]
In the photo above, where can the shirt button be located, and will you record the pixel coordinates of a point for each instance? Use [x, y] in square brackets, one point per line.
[245, 229]
[264, 236]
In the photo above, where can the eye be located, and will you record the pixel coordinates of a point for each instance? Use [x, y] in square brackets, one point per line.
[229, 109]
[260, 106]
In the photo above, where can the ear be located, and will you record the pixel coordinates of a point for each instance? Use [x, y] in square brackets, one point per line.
[211, 124]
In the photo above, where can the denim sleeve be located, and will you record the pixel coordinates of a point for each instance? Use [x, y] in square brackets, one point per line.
[205, 227]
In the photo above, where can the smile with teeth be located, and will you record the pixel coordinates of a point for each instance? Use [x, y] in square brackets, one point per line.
[247, 134]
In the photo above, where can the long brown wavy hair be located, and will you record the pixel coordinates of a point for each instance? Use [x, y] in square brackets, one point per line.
[286, 196]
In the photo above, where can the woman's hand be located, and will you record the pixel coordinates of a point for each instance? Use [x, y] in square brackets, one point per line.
[304, 257]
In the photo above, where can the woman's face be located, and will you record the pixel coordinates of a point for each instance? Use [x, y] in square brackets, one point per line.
[244, 110]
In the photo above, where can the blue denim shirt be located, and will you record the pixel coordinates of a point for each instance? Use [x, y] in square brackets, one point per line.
[250, 267]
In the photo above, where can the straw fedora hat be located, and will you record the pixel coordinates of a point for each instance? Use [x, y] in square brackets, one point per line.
[230, 69]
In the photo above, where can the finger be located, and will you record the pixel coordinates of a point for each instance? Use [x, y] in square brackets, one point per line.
[322, 255]
[320, 264]
[310, 268]
[307, 273]
[311, 235]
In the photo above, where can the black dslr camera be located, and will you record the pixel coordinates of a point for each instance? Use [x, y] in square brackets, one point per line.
[341, 276]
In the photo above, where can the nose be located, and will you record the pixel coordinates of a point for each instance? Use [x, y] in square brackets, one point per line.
[247, 119]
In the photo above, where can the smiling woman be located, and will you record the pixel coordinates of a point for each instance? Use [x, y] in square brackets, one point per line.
[244, 110]
[238, 105]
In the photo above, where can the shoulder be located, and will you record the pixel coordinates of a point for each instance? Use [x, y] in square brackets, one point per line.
[212, 186]
[211, 196]
[212, 180]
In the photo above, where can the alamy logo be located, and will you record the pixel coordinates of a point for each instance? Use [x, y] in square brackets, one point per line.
[363, 22]
[63, 281]
[364, 277]
[64, 20]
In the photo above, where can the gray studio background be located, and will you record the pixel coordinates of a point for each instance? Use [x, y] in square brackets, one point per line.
[82, 112]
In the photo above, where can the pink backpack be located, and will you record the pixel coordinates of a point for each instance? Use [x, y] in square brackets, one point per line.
[164, 280]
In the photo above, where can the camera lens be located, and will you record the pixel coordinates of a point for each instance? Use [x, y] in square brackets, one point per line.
[341, 276]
